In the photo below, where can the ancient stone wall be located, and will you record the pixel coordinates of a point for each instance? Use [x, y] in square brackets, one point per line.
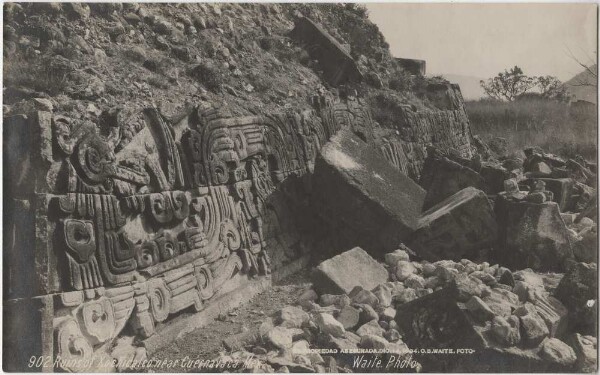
[446, 128]
[105, 231]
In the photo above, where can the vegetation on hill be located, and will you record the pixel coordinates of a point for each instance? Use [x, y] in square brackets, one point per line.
[557, 127]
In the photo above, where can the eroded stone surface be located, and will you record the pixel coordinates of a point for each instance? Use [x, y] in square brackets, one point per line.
[456, 228]
[355, 186]
[345, 271]
[531, 235]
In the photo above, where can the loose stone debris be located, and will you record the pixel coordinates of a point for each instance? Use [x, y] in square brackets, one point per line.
[474, 275]
[443, 305]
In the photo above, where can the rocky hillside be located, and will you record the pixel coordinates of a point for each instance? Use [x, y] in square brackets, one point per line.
[90, 58]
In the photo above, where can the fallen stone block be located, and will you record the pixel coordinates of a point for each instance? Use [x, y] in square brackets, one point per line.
[531, 235]
[557, 352]
[442, 177]
[413, 66]
[456, 228]
[356, 188]
[554, 313]
[590, 210]
[585, 348]
[538, 169]
[578, 291]
[586, 248]
[533, 327]
[494, 176]
[561, 188]
[337, 64]
[343, 272]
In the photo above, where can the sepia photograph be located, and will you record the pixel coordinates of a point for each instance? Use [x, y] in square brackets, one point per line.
[244, 187]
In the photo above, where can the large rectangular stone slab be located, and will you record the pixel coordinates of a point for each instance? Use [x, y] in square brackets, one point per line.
[531, 235]
[340, 274]
[442, 177]
[561, 188]
[355, 187]
[456, 228]
[337, 64]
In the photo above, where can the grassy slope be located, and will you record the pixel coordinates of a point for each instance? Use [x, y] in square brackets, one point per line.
[554, 126]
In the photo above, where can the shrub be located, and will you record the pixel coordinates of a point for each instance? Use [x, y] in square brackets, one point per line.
[209, 75]
[49, 75]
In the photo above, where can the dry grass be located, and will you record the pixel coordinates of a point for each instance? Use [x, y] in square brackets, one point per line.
[555, 126]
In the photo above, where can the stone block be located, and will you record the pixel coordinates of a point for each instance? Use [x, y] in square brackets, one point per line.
[578, 291]
[456, 228]
[437, 320]
[557, 352]
[355, 187]
[337, 64]
[586, 248]
[494, 176]
[413, 66]
[442, 177]
[531, 235]
[585, 348]
[561, 188]
[340, 274]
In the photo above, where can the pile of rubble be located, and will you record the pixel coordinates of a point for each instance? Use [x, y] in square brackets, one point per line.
[440, 294]
[392, 311]
[538, 212]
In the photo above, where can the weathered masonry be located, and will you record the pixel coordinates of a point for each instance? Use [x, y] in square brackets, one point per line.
[104, 232]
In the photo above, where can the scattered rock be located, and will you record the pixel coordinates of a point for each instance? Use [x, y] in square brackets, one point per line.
[506, 332]
[558, 352]
[362, 296]
[533, 328]
[383, 295]
[388, 314]
[292, 317]
[328, 324]
[308, 295]
[369, 341]
[349, 317]
[370, 328]
[479, 309]
[392, 335]
[404, 269]
[337, 300]
[281, 337]
[367, 313]
[394, 257]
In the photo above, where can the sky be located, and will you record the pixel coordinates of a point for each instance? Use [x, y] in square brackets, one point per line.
[481, 40]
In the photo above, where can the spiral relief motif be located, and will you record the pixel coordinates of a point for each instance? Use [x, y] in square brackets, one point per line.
[160, 299]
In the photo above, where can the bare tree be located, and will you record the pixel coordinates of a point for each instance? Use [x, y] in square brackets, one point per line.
[590, 68]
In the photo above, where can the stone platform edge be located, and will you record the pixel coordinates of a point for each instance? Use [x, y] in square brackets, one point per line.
[234, 293]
